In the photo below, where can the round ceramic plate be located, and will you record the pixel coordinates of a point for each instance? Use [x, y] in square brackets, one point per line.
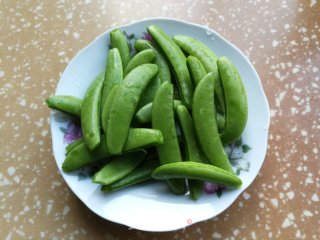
[151, 206]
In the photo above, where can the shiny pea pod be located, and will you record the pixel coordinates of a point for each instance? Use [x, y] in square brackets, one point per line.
[196, 69]
[177, 61]
[159, 60]
[74, 144]
[107, 106]
[113, 74]
[119, 167]
[145, 56]
[163, 120]
[208, 59]
[90, 113]
[193, 151]
[119, 41]
[138, 138]
[124, 105]
[197, 171]
[204, 115]
[140, 174]
[65, 103]
[143, 115]
[236, 101]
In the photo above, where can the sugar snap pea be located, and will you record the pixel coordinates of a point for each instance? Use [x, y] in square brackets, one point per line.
[106, 107]
[235, 99]
[124, 105]
[196, 69]
[177, 61]
[119, 167]
[163, 119]
[208, 59]
[138, 138]
[145, 56]
[74, 144]
[159, 60]
[119, 40]
[90, 113]
[65, 103]
[140, 174]
[143, 115]
[198, 171]
[113, 74]
[193, 151]
[204, 115]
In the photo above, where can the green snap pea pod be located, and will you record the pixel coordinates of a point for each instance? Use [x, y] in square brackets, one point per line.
[65, 103]
[90, 113]
[193, 151]
[148, 94]
[140, 174]
[236, 101]
[124, 105]
[198, 171]
[204, 115]
[106, 107]
[196, 69]
[119, 167]
[138, 138]
[177, 61]
[207, 57]
[119, 40]
[145, 56]
[74, 144]
[163, 119]
[159, 60]
[113, 75]
[143, 115]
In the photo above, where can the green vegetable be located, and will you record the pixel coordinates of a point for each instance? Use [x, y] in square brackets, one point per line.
[119, 40]
[159, 60]
[208, 59]
[113, 74]
[163, 120]
[193, 151]
[204, 115]
[138, 138]
[141, 174]
[236, 101]
[119, 167]
[74, 144]
[124, 105]
[196, 69]
[143, 115]
[178, 62]
[90, 113]
[65, 103]
[197, 171]
[145, 56]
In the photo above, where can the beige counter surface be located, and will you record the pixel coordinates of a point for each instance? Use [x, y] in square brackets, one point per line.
[281, 38]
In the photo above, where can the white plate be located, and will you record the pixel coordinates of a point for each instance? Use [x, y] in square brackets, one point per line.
[151, 207]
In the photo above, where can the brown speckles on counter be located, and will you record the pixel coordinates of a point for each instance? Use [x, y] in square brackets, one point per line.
[281, 38]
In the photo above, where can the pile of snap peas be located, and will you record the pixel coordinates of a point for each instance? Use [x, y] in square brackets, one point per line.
[132, 116]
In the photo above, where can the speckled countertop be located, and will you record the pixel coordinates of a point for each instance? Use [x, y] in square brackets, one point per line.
[281, 38]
